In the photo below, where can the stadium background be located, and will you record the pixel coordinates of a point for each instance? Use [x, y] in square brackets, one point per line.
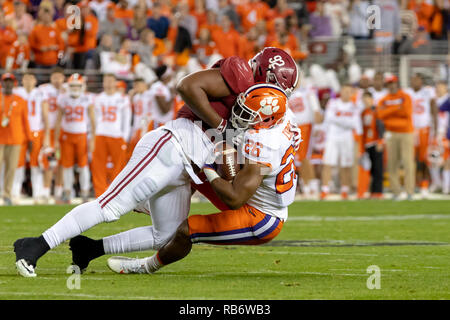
[413, 37]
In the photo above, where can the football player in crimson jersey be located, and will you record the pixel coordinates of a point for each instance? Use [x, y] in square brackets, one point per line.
[157, 176]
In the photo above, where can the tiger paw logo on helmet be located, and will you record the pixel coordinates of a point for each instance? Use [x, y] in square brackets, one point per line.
[269, 106]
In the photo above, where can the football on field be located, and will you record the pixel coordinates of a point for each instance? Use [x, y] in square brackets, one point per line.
[227, 164]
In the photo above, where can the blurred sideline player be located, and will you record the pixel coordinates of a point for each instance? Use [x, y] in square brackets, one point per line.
[112, 131]
[443, 102]
[51, 91]
[424, 119]
[40, 133]
[342, 119]
[161, 98]
[377, 89]
[139, 107]
[259, 195]
[76, 113]
[304, 104]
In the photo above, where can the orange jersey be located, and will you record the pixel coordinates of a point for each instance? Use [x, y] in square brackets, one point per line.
[370, 134]
[19, 53]
[44, 36]
[7, 38]
[227, 42]
[251, 13]
[90, 35]
[14, 109]
[396, 112]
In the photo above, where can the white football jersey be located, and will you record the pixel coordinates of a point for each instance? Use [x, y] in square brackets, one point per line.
[34, 100]
[112, 115]
[140, 105]
[377, 95]
[421, 102]
[303, 103]
[51, 93]
[318, 138]
[273, 148]
[158, 89]
[342, 119]
[75, 112]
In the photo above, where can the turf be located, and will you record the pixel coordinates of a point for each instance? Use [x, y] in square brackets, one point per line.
[323, 252]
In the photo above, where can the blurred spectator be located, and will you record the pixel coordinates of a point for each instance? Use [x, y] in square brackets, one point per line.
[225, 8]
[59, 9]
[444, 71]
[358, 19]
[8, 8]
[186, 20]
[106, 45]
[7, 38]
[23, 21]
[211, 22]
[285, 40]
[320, 22]
[157, 22]
[45, 40]
[149, 47]
[248, 44]
[123, 11]
[389, 30]
[419, 44]
[113, 26]
[199, 13]
[281, 10]
[138, 23]
[337, 11]
[14, 131]
[226, 38]
[19, 54]
[100, 8]
[83, 41]
[251, 12]
[180, 42]
[424, 10]
[204, 47]
[119, 64]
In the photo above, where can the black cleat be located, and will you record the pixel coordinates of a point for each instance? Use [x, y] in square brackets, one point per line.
[84, 250]
[28, 251]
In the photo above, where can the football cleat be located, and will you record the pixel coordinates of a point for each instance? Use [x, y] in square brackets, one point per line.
[125, 265]
[84, 250]
[28, 251]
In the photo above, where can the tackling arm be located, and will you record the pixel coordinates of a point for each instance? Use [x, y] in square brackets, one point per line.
[195, 89]
[244, 185]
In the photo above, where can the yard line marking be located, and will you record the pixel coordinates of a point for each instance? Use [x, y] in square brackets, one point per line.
[372, 218]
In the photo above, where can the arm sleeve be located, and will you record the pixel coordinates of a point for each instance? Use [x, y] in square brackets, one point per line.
[237, 74]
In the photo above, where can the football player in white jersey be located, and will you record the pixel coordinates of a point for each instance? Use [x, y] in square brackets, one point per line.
[306, 108]
[259, 195]
[342, 120]
[160, 98]
[38, 118]
[425, 126]
[76, 113]
[51, 91]
[112, 132]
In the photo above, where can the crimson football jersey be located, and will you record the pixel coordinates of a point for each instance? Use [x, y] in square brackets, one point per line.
[238, 76]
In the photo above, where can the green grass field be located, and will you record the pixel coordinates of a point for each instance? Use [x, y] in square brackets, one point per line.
[322, 252]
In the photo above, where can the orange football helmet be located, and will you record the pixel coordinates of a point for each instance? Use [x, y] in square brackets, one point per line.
[260, 107]
[77, 85]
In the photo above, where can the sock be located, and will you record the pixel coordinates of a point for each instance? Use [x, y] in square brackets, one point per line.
[68, 180]
[58, 191]
[46, 192]
[306, 189]
[435, 176]
[18, 181]
[85, 179]
[78, 220]
[153, 263]
[36, 181]
[314, 185]
[345, 189]
[446, 181]
[326, 189]
[138, 239]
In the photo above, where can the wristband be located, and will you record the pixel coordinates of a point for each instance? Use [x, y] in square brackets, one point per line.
[222, 126]
[210, 174]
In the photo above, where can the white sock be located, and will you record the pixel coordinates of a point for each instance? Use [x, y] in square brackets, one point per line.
[37, 181]
[58, 191]
[325, 189]
[18, 181]
[85, 179]
[314, 185]
[46, 192]
[446, 182]
[306, 189]
[345, 189]
[138, 239]
[68, 179]
[78, 220]
[435, 174]
[153, 263]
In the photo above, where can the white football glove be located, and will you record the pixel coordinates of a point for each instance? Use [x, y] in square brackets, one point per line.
[297, 136]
